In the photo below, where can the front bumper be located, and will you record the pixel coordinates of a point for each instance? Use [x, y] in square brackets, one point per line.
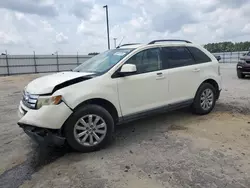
[243, 68]
[44, 125]
[43, 136]
[50, 116]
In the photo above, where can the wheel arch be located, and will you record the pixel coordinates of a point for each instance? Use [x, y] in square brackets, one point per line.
[213, 83]
[107, 105]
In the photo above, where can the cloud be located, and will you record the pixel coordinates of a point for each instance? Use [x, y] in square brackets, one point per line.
[225, 4]
[74, 26]
[30, 6]
[171, 22]
[166, 15]
[9, 39]
[81, 9]
[61, 38]
[246, 28]
[233, 3]
[95, 24]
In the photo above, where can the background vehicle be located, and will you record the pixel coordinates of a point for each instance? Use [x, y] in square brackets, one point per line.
[119, 85]
[243, 66]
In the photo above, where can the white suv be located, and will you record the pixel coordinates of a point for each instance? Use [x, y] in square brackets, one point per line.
[83, 106]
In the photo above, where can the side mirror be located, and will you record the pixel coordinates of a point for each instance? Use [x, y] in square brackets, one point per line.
[128, 68]
[218, 58]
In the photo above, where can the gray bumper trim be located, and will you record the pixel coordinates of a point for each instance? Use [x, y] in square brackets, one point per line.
[47, 138]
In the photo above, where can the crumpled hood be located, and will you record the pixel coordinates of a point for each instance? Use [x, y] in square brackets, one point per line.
[50, 83]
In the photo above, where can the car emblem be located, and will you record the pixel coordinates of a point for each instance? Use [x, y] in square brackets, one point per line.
[26, 98]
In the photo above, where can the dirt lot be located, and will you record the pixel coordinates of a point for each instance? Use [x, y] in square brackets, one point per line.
[176, 149]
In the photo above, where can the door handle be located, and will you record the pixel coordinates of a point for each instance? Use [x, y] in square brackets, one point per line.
[159, 76]
[196, 70]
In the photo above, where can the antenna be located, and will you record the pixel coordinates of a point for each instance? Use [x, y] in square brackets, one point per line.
[115, 42]
[121, 41]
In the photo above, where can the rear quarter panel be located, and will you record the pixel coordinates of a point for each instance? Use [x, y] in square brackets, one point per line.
[210, 70]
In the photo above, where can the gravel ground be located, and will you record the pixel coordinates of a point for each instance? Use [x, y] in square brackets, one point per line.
[176, 149]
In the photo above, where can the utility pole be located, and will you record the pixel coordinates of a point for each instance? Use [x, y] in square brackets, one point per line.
[107, 18]
[115, 42]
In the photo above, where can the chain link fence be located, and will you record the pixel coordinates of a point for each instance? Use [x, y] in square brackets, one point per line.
[230, 57]
[29, 64]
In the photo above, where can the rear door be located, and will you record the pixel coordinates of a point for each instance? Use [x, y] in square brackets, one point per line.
[207, 67]
[183, 73]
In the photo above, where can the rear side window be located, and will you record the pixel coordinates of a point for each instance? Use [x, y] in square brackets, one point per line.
[176, 57]
[199, 56]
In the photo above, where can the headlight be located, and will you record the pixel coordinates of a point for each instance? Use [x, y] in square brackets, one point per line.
[45, 100]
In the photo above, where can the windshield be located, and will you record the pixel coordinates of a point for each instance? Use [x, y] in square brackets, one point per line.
[103, 62]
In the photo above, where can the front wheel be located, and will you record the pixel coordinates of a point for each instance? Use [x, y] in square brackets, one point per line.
[90, 128]
[240, 75]
[205, 99]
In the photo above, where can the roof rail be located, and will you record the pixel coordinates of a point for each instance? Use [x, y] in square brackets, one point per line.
[129, 44]
[169, 40]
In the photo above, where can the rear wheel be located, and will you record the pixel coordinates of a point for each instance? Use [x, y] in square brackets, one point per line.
[205, 99]
[89, 129]
[240, 75]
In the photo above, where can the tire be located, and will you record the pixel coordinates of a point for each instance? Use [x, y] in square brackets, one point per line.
[240, 75]
[71, 128]
[197, 104]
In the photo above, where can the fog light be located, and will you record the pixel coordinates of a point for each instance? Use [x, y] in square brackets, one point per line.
[239, 67]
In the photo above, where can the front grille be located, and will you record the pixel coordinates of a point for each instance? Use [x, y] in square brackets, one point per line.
[29, 100]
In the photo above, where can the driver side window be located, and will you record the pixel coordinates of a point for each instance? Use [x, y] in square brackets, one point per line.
[146, 60]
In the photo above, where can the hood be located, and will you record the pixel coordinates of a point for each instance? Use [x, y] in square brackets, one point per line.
[50, 83]
[247, 58]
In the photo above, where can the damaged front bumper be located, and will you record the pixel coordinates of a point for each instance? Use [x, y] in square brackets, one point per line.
[43, 136]
[44, 125]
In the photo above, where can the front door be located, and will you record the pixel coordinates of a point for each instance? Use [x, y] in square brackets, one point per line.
[147, 88]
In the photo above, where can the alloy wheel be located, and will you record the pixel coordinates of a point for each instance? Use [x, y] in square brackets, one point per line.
[90, 130]
[207, 99]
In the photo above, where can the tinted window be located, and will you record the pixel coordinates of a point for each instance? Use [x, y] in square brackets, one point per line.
[146, 61]
[176, 57]
[101, 63]
[199, 56]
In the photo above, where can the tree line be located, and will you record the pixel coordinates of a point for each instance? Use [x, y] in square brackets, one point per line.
[227, 46]
[219, 47]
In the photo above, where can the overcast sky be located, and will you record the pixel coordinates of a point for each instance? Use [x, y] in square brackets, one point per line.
[68, 26]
